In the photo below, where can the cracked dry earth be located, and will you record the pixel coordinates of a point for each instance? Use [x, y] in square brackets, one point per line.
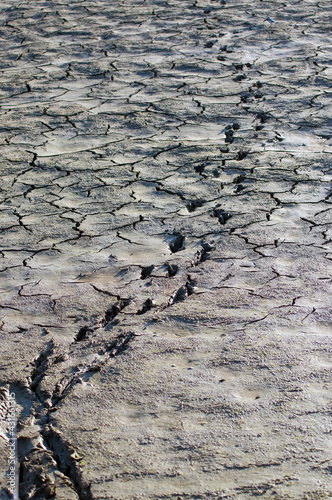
[166, 248]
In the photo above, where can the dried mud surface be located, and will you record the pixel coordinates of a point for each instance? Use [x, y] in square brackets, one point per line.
[165, 301]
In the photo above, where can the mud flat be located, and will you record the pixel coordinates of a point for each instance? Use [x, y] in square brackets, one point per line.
[165, 301]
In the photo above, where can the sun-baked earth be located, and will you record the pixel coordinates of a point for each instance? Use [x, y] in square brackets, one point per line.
[165, 294]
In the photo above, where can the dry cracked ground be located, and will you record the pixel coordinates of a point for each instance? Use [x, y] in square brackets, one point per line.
[166, 248]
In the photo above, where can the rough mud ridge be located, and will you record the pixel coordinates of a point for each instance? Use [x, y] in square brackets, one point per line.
[165, 197]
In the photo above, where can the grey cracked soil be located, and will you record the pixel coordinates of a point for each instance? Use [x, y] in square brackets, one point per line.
[166, 248]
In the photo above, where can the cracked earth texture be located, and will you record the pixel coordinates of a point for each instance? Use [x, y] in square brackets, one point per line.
[166, 248]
